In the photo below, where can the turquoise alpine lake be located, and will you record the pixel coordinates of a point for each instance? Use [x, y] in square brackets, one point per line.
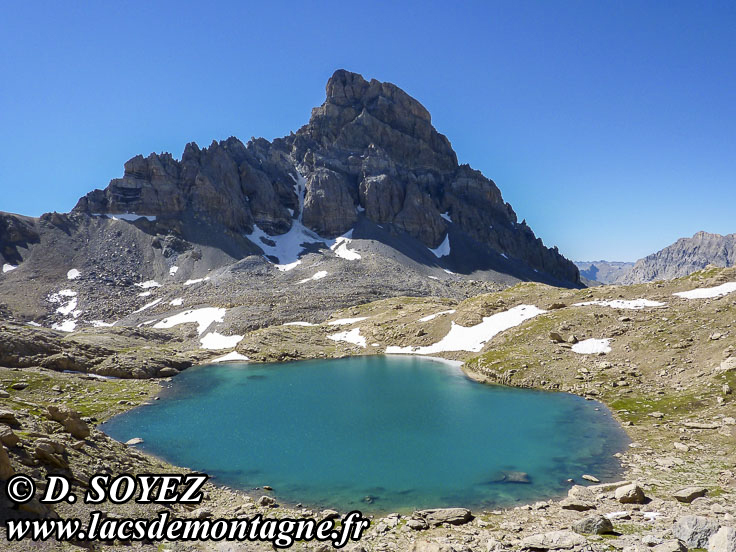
[375, 433]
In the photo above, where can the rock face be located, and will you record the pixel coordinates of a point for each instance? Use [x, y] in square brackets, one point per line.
[694, 531]
[684, 257]
[369, 150]
[723, 541]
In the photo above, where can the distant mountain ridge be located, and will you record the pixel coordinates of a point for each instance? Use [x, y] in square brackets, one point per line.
[604, 272]
[684, 257]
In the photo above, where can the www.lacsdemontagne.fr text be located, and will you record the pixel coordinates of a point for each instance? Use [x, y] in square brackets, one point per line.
[164, 489]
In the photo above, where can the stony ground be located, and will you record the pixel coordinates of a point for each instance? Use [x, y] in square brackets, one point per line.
[670, 379]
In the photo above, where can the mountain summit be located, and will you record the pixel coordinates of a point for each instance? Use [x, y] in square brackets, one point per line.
[368, 152]
[366, 201]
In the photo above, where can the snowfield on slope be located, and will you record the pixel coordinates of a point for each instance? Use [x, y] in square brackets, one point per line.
[214, 340]
[708, 293]
[351, 336]
[287, 248]
[203, 317]
[635, 304]
[233, 356]
[473, 338]
[317, 276]
[443, 249]
[346, 321]
[435, 315]
[592, 347]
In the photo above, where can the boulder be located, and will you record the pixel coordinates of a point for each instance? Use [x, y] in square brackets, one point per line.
[7, 437]
[167, 372]
[70, 419]
[438, 516]
[576, 504]
[427, 546]
[6, 468]
[554, 540]
[724, 540]
[8, 417]
[672, 545]
[688, 494]
[50, 453]
[694, 531]
[630, 494]
[266, 501]
[417, 524]
[593, 525]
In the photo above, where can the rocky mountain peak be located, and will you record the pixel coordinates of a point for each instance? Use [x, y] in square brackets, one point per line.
[369, 152]
[358, 114]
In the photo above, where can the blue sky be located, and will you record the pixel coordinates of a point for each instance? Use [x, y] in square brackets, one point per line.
[609, 126]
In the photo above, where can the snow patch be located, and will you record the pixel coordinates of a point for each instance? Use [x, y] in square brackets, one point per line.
[35, 324]
[435, 315]
[173, 270]
[288, 267]
[67, 325]
[299, 324]
[148, 284]
[473, 338]
[101, 324]
[144, 294]
[67, 301]
[351, 336]
[592, 347]
[340, 248]
[708, 293]
[147, 306]
[446, 216]
[233, 356]
[203, 317]
[443, 249]
[214, 340]
[7, 267]
[176, 302]
[346, 321]
[317, 276]
[196, 281]
[635, 304]
[73, 274]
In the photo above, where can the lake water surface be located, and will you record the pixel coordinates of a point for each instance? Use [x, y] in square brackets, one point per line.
[382, 433]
